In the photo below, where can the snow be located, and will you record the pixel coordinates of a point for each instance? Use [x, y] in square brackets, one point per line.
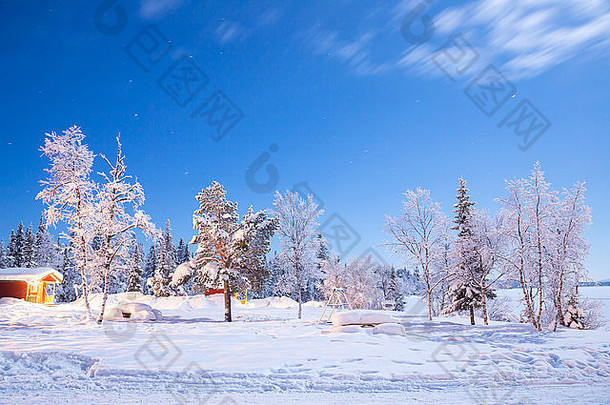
[362, 317]
[390, 329]
[133, 311]
[267, 356]
[28, 274]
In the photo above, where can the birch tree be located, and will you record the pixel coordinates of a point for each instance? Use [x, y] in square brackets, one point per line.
[297, 223]
[117, 215]
[569, 249]
[417, 234]
[69, 194]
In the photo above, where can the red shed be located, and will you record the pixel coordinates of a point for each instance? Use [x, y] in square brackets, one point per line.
[34, 285]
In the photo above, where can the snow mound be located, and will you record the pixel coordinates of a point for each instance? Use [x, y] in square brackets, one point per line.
[133, 311]
[345, 329]
[314, 304]
[390, 329]
[273, 302]
[362, 317]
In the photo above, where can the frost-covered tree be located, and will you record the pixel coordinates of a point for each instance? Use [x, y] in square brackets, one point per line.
[395, 293]
[569, 249]
[477, 255]
[546, 245]
[46, 252]
[15, 249]
[229, 249]
[67, 290]
[360, 279]
[313, 290]
[463, 292]
[150, 267]
[117, 214]
[182, 253]
[541, 205]
[3, 258]
[134, 264]
[417, 234]
[165, 252]
[297, 219]
[68, 193]
[517, 229]
[334, 272]
[474, 255]
[28, 248]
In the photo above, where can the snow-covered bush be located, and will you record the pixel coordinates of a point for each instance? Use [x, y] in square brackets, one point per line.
[583, 314]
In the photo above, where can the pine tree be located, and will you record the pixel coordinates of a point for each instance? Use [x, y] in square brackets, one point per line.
[166, 264]
[150, 267]
[15, 249]
[462, 292]
[395, 293]
[3, 259]
[230, 250]
[182, 253]
[134, 275]
[46, 252]
[28, 248]
[67, 290]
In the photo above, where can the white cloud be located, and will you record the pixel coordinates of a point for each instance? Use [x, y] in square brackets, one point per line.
[523, 38]
[155, 9]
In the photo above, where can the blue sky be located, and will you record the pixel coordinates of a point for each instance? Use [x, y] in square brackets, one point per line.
[333, 93]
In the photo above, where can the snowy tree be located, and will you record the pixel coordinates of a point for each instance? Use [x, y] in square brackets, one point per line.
[569, 249]
[313, 289]
[477, 272]
[546, 245]
[395, 293]
[541, 200]
[417, 234]
[28, 248]
[228, 249]
[117, 215]
[68, 194]
[15, 248]
[182, 253]
[334, 272]
[463, 292]
[67, 290]
[46, 253]
[297, 230]
[134, 263]
[517, 229]
[3, 258]
[359, 278]
[165, 252]
[150, 267]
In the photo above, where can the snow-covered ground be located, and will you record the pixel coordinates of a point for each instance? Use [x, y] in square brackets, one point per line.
[53, 355]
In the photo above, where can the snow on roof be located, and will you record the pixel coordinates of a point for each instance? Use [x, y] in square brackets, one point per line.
[25, 274]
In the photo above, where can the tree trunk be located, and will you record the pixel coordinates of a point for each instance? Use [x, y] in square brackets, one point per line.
[472, 314]
[83, 276]
[227, 302]
[300, 311]
[105, 296]
[484, 306]
[429, 305]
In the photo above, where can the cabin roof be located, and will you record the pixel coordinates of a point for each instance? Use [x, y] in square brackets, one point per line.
[29, 275]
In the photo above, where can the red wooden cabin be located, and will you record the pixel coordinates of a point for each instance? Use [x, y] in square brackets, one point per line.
[34, 285]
